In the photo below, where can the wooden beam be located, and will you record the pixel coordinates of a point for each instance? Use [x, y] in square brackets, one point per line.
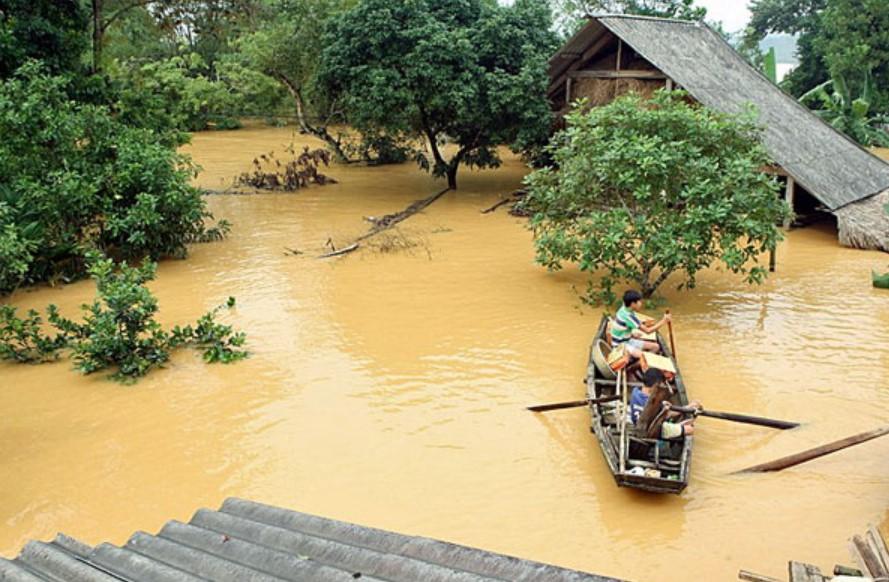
[626, 74]
[587, 55]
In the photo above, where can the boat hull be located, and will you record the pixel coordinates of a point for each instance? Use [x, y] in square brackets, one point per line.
[605, 424]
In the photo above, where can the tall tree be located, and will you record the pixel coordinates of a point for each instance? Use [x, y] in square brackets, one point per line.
[468, 72]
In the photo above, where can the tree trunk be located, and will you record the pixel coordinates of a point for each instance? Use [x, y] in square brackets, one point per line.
[98, 30]
[306, 127]
[452, 176]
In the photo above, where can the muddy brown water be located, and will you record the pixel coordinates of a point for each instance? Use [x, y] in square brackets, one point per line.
[388, 389]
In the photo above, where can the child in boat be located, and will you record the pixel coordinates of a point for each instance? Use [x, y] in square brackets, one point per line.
[650, 410]
[627, 328]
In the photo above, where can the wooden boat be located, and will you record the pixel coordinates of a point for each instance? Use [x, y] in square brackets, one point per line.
[664, 466]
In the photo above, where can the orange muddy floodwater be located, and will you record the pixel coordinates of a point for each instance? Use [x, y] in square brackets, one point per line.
[389, 389]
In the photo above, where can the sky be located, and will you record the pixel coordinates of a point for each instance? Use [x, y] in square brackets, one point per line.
[733, 13]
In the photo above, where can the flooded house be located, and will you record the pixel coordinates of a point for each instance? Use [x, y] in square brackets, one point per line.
[825, 174]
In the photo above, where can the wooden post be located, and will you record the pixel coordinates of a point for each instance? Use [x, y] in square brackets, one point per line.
[669, 84]
[789, 196]
[773, 260]
[568, 82]
[620, 52]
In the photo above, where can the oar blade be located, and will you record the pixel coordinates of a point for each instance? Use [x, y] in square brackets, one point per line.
[559, 406]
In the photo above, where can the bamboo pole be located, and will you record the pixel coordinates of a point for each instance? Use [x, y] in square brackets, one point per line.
[805, 456]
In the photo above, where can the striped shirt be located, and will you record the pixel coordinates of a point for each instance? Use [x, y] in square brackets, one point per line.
[624, 324]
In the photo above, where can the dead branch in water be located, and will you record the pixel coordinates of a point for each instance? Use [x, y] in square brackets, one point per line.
[342, 251]
[514, 197]
[385, 223]
[390, 220]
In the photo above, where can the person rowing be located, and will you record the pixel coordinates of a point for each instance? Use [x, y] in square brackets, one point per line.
[627, 328]
[650, 410]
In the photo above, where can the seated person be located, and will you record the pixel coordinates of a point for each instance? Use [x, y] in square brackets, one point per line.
[650, 410]
[627, 328]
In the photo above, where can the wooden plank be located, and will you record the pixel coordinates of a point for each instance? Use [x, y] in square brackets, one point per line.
[878, 544]
[626, 74]
[800, 572]
[867, 558]
[751, 577]
[805, 456]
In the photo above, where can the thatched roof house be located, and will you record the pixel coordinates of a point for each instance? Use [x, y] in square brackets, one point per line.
[248, 541]
[823, 169]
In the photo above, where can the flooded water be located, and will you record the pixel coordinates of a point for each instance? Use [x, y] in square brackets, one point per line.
[388, 389]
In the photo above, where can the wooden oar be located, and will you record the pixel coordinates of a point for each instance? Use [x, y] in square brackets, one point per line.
[573, 404]
[758, 420]
[672, 342]
[805, 456]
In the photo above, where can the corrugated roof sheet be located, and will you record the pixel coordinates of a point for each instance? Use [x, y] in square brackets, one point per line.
[248, 541]
[824, 161]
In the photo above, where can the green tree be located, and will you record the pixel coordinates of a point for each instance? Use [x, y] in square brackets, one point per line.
[468, 72]
[287, 46]
[642, 190]
[835, 104]
[73, 177]
[854, 39]
[52, 31]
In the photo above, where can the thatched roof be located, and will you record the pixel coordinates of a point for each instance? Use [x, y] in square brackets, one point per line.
[833, 168]
[865, 224]
[248, 541]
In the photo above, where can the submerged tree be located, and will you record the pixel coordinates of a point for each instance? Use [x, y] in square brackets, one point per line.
[287, 47]
[468, 72]
[645, 189]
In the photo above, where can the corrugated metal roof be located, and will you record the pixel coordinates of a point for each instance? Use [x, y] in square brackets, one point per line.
[832, 167]
[249, 541]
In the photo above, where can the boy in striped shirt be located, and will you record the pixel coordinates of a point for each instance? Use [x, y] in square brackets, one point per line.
[627, 328]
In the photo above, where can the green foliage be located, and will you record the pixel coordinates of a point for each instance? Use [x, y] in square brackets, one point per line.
[642, 190]
[119, 331]
[468, 71]
[53, 31]
[218, 342]
[23, 340]
[172, 94]
[851, 115]
[73, 177]
[836, 38]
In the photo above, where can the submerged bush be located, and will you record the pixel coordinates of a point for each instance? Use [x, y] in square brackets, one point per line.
[74, 177]
[119, 330]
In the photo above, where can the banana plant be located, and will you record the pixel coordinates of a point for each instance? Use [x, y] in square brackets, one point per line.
[834, 103]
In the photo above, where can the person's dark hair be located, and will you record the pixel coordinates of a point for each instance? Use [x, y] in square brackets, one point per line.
[631, 296]
[653, 377]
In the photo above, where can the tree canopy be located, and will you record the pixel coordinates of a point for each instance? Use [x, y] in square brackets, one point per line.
[642, 190]
[573, 12]
[468, 72]
[836, 38]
